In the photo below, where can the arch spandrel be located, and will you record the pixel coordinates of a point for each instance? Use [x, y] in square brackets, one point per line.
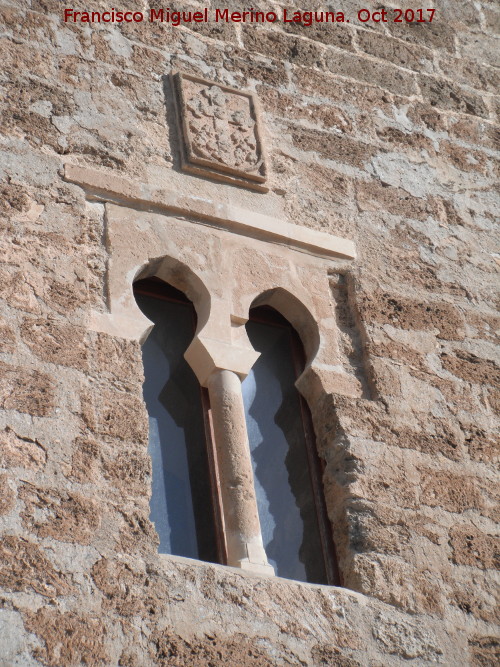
[143, 244]
[222, 274]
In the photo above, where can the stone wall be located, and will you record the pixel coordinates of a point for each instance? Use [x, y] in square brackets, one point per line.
[380, 133]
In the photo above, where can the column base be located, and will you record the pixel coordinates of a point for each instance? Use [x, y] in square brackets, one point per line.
[263, 569]
[248, 555]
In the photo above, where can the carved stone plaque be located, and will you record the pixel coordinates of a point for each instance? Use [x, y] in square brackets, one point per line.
[220, 134]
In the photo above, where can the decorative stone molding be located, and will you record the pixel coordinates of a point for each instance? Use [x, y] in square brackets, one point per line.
[190, 257]
[103, 186]
[267, 261]
[220, 135]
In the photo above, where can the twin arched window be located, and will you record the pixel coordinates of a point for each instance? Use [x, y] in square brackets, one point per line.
[185, 503]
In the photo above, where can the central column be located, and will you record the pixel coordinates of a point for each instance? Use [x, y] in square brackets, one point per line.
[241, 519]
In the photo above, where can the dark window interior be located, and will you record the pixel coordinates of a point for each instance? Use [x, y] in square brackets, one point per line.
[182, 508]
[287, 474]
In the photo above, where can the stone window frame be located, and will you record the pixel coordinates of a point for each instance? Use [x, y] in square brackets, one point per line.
[183, 241]
[272, 319]
[162, 292]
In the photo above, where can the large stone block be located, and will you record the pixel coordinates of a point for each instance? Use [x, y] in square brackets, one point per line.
[279, 45]
[115, 413]
[25, 567]
[454, 493]
[69, 638]
[473, 547]
[417, 58]
[31, 392]
[402, 312]
[63, 515]
[56, 343]
[443, 94]
[471, 368]
[387, 76]
[333, 147]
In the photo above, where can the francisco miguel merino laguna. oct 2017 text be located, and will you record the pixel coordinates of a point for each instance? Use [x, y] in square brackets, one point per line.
[305, 18]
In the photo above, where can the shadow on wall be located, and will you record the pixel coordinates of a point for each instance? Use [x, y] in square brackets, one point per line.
[351, 346]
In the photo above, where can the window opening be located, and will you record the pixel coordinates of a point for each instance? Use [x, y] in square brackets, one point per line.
[287, 470]
[184, 502]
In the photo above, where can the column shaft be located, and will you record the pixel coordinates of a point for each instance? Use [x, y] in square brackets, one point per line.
[243, 534]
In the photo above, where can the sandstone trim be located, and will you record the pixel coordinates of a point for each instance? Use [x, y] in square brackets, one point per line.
[122, 191]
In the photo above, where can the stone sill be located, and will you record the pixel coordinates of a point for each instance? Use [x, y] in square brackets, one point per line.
[168, 559]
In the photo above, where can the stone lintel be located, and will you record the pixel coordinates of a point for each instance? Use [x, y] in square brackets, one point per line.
[122, 191]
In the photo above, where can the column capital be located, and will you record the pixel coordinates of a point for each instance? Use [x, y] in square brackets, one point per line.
[206, 355]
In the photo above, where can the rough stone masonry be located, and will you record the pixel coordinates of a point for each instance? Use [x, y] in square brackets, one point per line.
[382, 132]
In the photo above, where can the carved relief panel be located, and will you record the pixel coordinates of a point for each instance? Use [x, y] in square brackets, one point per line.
[220, 135]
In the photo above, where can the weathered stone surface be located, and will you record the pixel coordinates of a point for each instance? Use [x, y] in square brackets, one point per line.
[7, 494]
[405, 639]
[25, 567]
[27, 391]
[116, 414]
[85, 461]
[482, 446]
[445, 95]
[21, 452]
[455, 493]
[375, 196]
[475, 596]
[437, 35]
[484, 651]
[57, 343]
[129, 470]
[69, 638]
[338, 34]
[446, 440]
[239, 650]
[472, 547]
[14, 199]
[443, 318]
[285, 106]
[342, 149]
[127, 590]
[63, 515]
[7, 339]
[19, 290]
[330, 655]
[63, 297]
[385, 134]
[390, 78]
[396, 51]
[282, 46]
[137, 534]
[471, 368]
